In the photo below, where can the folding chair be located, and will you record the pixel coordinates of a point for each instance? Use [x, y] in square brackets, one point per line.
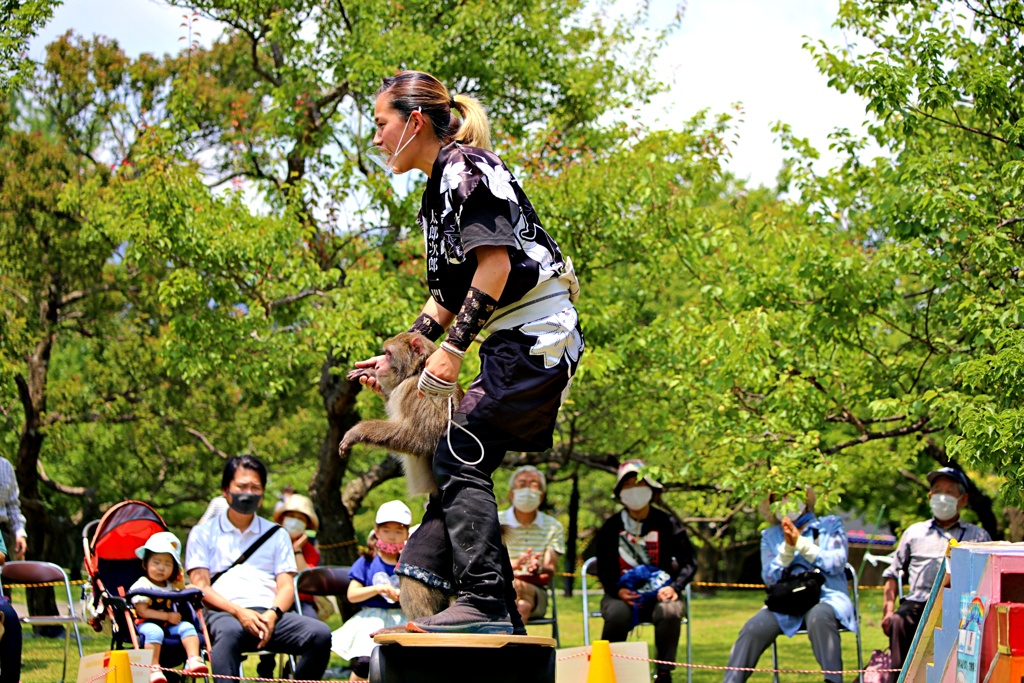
[553, 619]
[590, 569]
[851, 576]
[29, 572]
[321, 581]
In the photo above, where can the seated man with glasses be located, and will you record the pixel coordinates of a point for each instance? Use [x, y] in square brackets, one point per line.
[245, 565]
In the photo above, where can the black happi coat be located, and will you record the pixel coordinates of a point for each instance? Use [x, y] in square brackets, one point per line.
[535, 344]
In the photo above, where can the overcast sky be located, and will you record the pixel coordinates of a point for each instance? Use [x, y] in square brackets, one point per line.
[726, 51]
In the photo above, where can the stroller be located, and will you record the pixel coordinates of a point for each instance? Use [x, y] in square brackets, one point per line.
[110, 544]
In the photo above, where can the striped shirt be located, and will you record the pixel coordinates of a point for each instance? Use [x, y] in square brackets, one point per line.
[10, 506]
[921, 551]
[544, 532]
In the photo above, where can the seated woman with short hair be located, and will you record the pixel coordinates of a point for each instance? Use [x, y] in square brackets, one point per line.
[800, 542]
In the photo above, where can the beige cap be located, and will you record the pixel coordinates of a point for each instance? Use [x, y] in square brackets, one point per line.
[298, 503]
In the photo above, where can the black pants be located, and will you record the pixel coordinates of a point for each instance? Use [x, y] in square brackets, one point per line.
[310, 639]
[10, 645]
[902, 628]
[466, 495]
[667, 618]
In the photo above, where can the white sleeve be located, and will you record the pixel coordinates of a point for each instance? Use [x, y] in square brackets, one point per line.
[808, 548]
[786, 554]
[197, 551]
[284, 554]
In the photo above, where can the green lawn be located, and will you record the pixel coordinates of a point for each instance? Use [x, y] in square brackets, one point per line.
[717, 619]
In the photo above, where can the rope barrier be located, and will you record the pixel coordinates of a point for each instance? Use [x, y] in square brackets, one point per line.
[820, 672]
[47, 584]
[232, 678]
[100, 675]
[716, 584]
[708, 667]
[342, 544]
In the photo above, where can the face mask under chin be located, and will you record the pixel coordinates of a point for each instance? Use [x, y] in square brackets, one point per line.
[379, 155]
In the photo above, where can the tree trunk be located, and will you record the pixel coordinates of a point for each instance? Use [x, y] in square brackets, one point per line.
[571, 534]
[1014, 524]
[336, 533]
[38, 524]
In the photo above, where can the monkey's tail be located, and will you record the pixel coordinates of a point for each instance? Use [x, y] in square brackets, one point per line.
[507, 534]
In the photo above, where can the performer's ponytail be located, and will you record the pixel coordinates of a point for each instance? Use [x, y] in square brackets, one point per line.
[412, 90]
[475, 129]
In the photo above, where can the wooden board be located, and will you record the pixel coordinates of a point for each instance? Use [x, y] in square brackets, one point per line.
[460, 640]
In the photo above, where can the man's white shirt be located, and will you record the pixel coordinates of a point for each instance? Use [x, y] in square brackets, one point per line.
[217, 543]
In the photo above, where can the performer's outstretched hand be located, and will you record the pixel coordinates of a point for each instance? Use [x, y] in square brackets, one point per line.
[366, 373]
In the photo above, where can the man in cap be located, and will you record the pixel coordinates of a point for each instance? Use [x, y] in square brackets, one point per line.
[536, 542]
[251, 599]
[919, 556]
[643, 535]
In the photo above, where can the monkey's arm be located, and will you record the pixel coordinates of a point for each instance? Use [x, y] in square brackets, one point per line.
[402, 437]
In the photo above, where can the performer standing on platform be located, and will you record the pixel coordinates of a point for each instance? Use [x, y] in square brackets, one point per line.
[490, 266]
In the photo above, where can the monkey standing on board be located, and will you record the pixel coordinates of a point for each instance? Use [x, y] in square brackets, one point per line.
[415, 423]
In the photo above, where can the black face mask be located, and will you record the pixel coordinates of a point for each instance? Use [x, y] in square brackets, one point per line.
[245, 503]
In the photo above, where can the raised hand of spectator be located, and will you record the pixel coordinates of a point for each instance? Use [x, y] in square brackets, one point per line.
[789, 531]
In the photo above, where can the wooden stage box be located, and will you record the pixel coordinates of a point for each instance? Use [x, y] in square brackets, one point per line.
[448, 657]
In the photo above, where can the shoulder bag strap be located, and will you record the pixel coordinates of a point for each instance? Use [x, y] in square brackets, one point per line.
[248, 552]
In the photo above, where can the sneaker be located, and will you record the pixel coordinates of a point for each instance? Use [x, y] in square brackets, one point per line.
[157, 676]
[663, 677]
[195, 666]
[462, 618]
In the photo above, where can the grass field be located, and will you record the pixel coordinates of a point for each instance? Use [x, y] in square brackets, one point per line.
[717, 619]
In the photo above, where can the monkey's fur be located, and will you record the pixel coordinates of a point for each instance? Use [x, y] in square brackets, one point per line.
[413, 429]
[415, 424]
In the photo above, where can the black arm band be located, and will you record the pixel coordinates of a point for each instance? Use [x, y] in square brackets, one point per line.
[476, 311]
[428, 327]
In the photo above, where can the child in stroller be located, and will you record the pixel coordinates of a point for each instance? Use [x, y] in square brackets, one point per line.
[156, 613]
[111, 547]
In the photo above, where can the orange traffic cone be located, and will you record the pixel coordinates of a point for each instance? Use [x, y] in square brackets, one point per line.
[601, 669]
[120, 667]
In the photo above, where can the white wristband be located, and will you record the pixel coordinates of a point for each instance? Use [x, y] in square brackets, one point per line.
[459, 353]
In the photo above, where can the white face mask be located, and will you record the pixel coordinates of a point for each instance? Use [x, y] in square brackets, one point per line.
[526, 500]
[944, 506]
[380, 156]
[293, 526]
[637, 497]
